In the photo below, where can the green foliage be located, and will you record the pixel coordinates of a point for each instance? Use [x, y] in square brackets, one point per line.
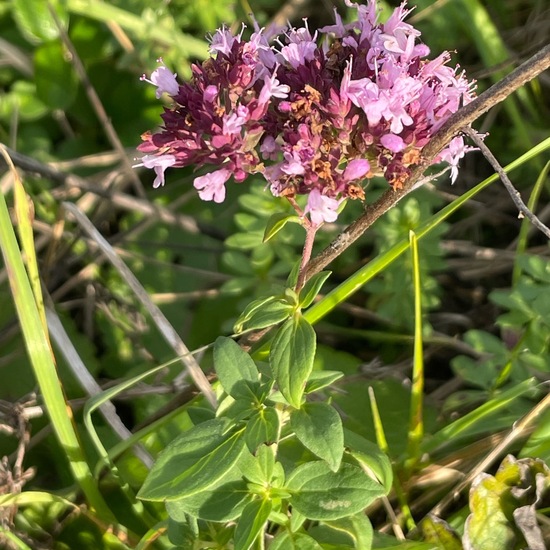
[232, 466]
[524, 347]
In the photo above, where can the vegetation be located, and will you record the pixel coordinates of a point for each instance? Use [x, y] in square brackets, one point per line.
[175, 376]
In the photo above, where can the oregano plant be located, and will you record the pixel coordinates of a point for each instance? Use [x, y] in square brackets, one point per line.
[316, 115]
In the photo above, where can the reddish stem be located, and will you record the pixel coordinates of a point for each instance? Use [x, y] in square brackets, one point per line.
[311, 230]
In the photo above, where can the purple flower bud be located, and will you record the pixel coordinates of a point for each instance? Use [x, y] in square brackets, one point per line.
[210, 93]
[356, 169]
[392, 142]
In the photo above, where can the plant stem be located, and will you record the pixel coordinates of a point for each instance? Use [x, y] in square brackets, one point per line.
[311, 230]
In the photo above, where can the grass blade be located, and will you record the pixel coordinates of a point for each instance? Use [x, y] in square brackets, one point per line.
[416, 425]
[43, 363]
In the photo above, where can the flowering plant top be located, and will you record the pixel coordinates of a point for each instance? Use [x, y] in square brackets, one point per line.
[315, 115]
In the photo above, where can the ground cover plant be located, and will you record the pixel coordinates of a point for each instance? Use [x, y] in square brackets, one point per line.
[303, 312]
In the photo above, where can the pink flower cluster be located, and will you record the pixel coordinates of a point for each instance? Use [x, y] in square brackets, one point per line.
[315, 115]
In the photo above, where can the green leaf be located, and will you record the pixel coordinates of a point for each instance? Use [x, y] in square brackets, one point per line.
[262, 427]
[276, 222]
[238, 285]
[536, 266]
[258, 468]
[358, 527]
[237, 262]
[34, 20]
[22, 99]
[312, 288]
[291, 358]
[244, 241]
[294, 541]
[292, 278]
[236, 370]
[319, 428]
[193, 462]
[224, 502]
[267, 316]
[371, 458]
[56, 82]
[250, 310]
[251, 522]
[321, 379]
[181, 534]
[321, 494]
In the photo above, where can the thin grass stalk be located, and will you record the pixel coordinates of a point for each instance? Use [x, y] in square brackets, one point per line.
[416, 425]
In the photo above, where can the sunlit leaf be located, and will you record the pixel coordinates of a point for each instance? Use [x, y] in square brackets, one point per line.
[291, 358]
[193, 462]
[321, 494]
[319, 428]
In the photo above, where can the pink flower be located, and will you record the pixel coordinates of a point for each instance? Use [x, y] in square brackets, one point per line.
[453, 153]
[272, 88]
[222, 41]
[212, 186]
[321, 208]
[314, 117]
[233, 123]
[293, 165]
[164, 80]
[269, 148]
[159, 163]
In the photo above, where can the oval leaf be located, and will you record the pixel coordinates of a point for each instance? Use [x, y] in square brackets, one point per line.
[320, 379]
[291, 358]
[262, 427]
[193, 462]
[321, 494]
[225, 502]
[358, 527]
[319, 428]
[250, 524]
[268, 315]
[249, 311]
[371, 458]
[294, 541]
[236, 370]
